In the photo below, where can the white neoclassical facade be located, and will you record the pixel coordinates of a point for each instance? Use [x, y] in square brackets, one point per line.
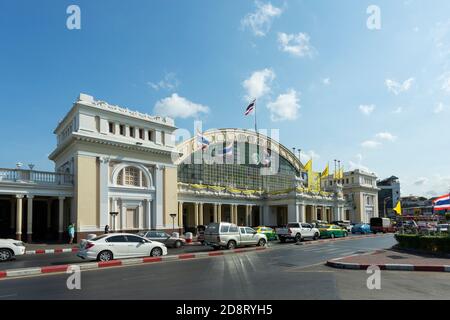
[121, 168]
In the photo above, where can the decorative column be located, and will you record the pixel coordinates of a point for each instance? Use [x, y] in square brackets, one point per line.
[215, 212]
[200, 216]
[123, 217]
[103, 192]
[19, 217]
[302, 212]
[49, 214]
[196, 214]
[140, 217]
[159, 186]
[261, 215]
[148, 214]
[314, 212]
[180, 214]
[29, 218]
[247, 215]
[219, 212]
[61, 218]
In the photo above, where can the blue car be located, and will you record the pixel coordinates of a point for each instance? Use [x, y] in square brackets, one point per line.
[362, 228]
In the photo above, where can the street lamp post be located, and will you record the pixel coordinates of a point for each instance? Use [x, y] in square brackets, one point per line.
[173, 215]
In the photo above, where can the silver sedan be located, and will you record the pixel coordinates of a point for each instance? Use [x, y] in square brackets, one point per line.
[161, 236]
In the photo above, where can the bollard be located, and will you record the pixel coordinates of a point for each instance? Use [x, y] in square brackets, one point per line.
[188, 236]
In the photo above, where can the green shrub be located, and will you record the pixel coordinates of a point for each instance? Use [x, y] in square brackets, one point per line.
[439, 244]
[447, 216]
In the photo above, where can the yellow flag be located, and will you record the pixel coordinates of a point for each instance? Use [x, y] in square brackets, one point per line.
[308, 165]
[325, 172]
[398, 208]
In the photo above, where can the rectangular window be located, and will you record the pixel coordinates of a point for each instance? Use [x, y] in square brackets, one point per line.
[132, 132]
[122, 129]
[150, 135]
[141, 134]
[111, 127]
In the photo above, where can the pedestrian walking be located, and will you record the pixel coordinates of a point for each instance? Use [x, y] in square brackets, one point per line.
[106, 229]
[71, 231]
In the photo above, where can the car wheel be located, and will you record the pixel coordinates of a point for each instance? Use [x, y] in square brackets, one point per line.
[5, 254]
[332, 235]
[298, 237]
[105, 256]
[177, 244]
[261, 242]
[231, 245]
[156, 252]
[282, 240]
[345, 234]
[316, 236]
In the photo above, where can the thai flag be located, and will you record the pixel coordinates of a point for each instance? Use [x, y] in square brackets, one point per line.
[228, 150]
[442, 203]
[202, 140]
[250, 107]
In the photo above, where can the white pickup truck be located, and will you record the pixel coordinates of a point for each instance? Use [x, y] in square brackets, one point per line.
[298, 231]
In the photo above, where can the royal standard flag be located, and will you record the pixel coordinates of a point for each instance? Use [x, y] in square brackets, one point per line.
[325, 172]
[398, 208]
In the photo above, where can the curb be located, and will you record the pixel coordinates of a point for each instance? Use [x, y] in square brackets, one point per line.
[334, 263]
[33, 271]
[51, 251]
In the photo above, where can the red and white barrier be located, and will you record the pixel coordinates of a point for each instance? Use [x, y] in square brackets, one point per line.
[14, 273]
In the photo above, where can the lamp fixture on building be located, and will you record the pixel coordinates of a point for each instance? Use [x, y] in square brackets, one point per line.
[19, 165]
[31, 166]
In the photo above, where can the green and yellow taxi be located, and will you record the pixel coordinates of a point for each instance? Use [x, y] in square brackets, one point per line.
[269, 232]
[332, 231]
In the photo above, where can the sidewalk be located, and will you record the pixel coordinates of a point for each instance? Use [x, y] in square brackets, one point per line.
[392, 259]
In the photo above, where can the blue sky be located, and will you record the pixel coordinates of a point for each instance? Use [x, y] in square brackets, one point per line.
[375, 99]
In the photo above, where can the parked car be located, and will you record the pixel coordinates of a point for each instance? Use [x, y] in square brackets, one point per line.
[332, 231]
[443, 227]
[362, 228]
[344, 224]
[10, 248]
[163, 237]
[378, 224]
[120, 245]
[269, 232]
[228, 235]
[316, 223]
[298, 231]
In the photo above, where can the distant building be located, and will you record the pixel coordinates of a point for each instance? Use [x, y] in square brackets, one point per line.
[416, 206]
[388, 196]
[360, 192]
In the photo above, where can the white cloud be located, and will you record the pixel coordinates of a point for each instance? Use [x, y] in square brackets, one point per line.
[285, 107]
[397, 88]
[260, 21]
[370, 144]
[258, 84]
[398, 110]
[440, 34]
[420, 181]
[358, 165]
[326, 81]
[305, 156]
[367, 109]
[439, 108]
[385, 136]
[178, 107]
[445, 81]
[295, 44]
[169, 82]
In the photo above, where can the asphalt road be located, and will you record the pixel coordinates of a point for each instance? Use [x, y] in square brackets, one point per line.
[41, 260]
[282, 272]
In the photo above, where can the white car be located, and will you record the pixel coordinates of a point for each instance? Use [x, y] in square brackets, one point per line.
[120, 245]
[298, 231]
[9, 248]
